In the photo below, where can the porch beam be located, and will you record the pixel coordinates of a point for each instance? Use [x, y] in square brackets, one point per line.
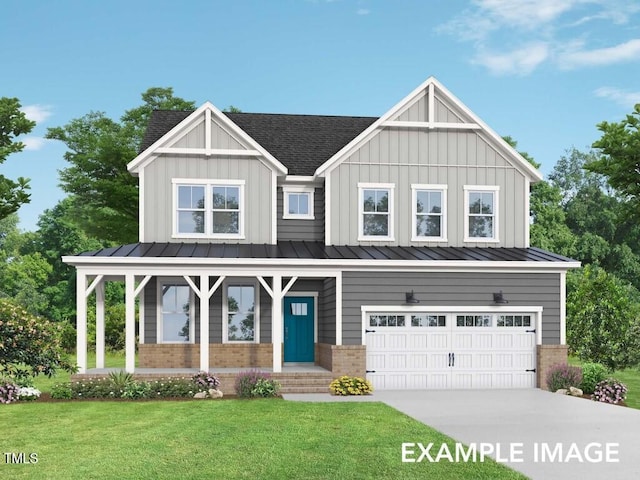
[81, 321]
[216, 285]
[130, 322]
[94, 284]
[195, 289]
[100, 325]
[266, 286]
[289, 285]
[204, 323]
[141, 285]
[276, 323]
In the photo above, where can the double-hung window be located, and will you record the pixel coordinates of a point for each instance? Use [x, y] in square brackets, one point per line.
[429, 212]
[481, 213]
[375, 211]
[298, 203]
[176, 319]
[241, 311]
[208, 209]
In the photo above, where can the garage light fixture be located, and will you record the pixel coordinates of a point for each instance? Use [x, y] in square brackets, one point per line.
[410, 298]
[498, 299]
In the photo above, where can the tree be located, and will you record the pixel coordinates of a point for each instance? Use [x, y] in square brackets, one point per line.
[603, 318]
[13, 123]
[29, 345]
[104, 195]
[620, 159]
[549, 229]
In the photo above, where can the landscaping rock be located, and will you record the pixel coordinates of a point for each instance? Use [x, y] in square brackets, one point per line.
[563, 391]
[576, 392]
[200, 395]
[214, 393]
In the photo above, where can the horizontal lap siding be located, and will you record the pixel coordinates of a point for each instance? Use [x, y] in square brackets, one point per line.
[450, 289]
[327, 313]
[295, 229]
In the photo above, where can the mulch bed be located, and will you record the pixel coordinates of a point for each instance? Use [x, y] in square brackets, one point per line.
[45, 397]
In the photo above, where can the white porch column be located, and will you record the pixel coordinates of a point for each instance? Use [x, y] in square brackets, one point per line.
[100, 325]
[204, 323]
[276, 323]
[81, 321]
[130, 323]
[339, 308]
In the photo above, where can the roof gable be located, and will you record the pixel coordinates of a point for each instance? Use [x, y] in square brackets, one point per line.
[203, 123]
[431, 106]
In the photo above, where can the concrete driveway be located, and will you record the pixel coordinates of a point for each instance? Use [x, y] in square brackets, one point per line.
[541, 434]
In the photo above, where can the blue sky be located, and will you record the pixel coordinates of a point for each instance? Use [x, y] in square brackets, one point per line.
[543, 71]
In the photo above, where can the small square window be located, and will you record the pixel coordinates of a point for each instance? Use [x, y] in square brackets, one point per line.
[298, 203]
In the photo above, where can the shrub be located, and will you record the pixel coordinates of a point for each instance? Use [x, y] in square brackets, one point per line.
[346, 385]
[254, 383]
[9, 391]
[592, 374]
[62, 391]
[95, 388]
[204, 381]
[28, 393]
[563, 376]
[610, 391]
[135, 390]
[120, 379]
[172, 388]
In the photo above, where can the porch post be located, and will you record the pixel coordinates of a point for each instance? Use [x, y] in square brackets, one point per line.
[204, 323]
[130, 323]
[276, 323]
[100, 325]
[339, 308]
[81, 321]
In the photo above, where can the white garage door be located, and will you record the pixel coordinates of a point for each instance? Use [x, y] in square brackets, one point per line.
[452, 350]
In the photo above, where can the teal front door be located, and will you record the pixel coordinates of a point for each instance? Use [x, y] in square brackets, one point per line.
[298, 329]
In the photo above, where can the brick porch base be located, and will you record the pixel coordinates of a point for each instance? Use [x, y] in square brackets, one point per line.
[547, 356]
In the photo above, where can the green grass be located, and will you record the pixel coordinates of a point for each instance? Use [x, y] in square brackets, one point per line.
[630, 377]
[225, 439]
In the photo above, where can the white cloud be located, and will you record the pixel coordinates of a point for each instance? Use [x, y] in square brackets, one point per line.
[37, 113]
[623, 52]
[623, 98]
[363, 11]
[525, 13]
[34, 143]
[521, 61]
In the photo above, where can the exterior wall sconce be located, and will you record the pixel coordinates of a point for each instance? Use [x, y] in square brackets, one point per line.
[410, 298]
[498, 299]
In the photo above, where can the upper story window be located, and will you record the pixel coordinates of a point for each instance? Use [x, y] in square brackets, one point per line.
[375, 215]
[429, 212]
[208, 208]
[481, 213]
[298, 203]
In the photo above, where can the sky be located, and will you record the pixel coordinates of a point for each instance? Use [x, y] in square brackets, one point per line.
[545, 72]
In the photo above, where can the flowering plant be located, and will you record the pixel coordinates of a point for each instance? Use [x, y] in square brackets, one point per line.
[8, 392]
[563, 376]
[254, 383]
[28, 393]
[205, 381]
[610, 391]
[346, 385]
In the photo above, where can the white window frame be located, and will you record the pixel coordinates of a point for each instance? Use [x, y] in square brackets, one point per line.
[391, 232]
[209, 184]
[239, 282]
[442, 189]
[162, 281]
[286, 190]
[495, 189]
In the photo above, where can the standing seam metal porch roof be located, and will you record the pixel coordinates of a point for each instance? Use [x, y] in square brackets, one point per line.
[320, 251]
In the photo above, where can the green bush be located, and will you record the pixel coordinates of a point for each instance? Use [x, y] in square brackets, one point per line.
[136, 390]
[120, 379]
[62, 391]
[172, 388]
[254, 383]
[592, 374]
[563, 376]
[346, 385]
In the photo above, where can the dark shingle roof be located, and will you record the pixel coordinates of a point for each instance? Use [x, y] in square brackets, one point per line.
[318, 250]
[301, 142]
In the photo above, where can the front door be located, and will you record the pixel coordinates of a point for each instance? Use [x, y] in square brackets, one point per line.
[298, 329]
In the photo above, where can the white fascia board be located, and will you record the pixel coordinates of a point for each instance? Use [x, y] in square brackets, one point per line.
[519, 160]
[344, 264]
[140, 160]
[450, 309]
[323, 169]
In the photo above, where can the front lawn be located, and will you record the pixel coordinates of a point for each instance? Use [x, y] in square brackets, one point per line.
[225, 439]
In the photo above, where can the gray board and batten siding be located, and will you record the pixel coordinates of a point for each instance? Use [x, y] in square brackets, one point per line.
[404, 157]
[455, 289]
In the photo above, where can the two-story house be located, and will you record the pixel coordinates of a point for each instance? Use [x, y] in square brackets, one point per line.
[396, 247]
